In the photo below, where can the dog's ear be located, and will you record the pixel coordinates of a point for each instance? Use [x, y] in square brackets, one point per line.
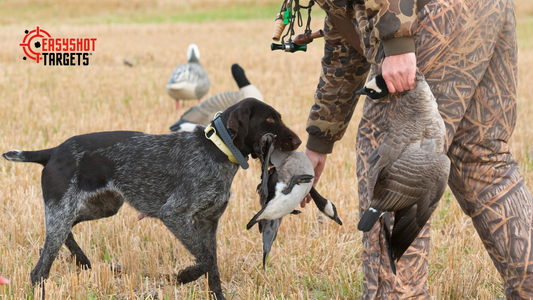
[238, 122]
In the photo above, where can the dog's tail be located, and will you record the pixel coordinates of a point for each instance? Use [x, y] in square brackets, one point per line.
[41, 157]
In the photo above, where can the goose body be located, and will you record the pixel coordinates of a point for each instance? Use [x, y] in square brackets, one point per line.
[189, 81]
[281, 190]
[289, 182]
[203, 112]
[408, 171]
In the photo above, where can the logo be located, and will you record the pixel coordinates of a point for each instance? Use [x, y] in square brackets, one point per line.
[39, 45]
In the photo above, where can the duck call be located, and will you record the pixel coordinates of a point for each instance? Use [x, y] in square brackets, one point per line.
[307, 38]
[279, 26]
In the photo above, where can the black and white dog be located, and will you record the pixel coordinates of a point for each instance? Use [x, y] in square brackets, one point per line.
[183, 179]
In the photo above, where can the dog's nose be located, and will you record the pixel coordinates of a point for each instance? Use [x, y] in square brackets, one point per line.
[296, 142]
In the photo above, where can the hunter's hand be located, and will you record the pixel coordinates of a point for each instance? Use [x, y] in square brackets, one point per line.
[319, 161]
[399, 72]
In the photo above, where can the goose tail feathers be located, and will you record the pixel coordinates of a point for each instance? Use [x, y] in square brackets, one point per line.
[270, 232]
[386, 230]
[369, 218]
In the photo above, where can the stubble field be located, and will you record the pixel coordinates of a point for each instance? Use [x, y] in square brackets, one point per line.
[312, 258]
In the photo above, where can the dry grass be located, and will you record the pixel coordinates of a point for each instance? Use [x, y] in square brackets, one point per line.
[43, 106]
[51, 12]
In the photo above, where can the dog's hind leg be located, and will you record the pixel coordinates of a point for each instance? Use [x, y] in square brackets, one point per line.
[102, 204]
[76, 252]
[58, 226]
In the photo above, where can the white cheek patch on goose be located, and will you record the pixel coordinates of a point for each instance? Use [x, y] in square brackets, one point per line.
[373, 85]
[328, 210]
[187, 126]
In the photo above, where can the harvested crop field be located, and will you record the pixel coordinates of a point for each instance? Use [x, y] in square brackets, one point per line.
[312, 258]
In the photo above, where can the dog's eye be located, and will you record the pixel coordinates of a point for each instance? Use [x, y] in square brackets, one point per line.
[271, 120]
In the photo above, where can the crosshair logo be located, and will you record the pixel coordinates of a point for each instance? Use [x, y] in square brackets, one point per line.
[39, 45]
[28, 44]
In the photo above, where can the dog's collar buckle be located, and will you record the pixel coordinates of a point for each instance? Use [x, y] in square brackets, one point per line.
[213, 137]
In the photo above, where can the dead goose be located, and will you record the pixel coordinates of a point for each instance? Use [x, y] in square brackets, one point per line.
[188, 81]
[408, 172]
[278, 195]
[202, 113]
[290, 180]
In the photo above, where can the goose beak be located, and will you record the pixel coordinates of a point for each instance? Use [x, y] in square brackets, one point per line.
[360, 92]
[335, 216]
[176, 126]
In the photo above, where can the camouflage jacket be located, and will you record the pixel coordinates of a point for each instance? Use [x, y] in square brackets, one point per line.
[357, 33]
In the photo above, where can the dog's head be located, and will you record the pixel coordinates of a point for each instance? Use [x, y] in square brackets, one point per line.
[250, 119]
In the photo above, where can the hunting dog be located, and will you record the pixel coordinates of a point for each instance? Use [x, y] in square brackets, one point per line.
[182, 178]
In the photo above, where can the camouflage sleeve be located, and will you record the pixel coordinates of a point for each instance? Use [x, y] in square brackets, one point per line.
[344, 71]
[391, 22]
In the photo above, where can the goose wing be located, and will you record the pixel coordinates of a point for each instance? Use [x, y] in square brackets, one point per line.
[380, 162]
[268, 176]
[270, 188]
[409, 221]
[394, 143]
[189, 76]
[181, 73]
[202, 81]
[269, 228]
[406, 181]
[203, 112]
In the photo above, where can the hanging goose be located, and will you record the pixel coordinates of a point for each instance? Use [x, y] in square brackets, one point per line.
[282, 188]
[202, 113]
[408, 171]
[188, 81]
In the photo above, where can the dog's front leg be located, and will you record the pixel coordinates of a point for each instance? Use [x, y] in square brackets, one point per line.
[206, 227]
[181, 226]
[199, 239]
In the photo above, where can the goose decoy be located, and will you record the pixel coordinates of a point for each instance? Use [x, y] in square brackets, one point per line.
[202, 113]
[408, 171]
[188, 81]
[282, 188]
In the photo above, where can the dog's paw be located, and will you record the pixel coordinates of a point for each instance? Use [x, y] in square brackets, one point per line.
[189, 274]
[183, 277]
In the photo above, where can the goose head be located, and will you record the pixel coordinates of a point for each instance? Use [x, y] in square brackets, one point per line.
[375, 88]
[193, 54]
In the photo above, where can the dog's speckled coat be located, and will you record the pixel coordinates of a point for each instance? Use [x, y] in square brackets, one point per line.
[180, 178]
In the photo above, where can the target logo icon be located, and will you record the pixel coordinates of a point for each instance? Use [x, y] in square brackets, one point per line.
[39, 45]
[30, 46]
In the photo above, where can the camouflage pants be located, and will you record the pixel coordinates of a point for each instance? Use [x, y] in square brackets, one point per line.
[468, 54]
